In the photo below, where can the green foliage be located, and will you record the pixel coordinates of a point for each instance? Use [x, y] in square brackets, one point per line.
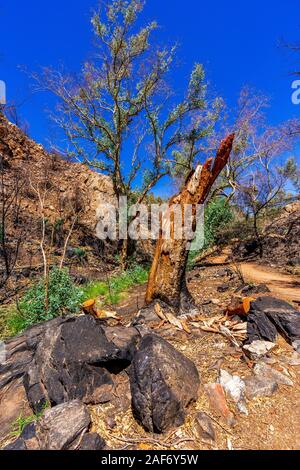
[95, 289]
[16, 323]
[7, 328]
[218, 214]
[291, 171]
[80, 254]
[22, 421]
[64, 297]
[114, 289]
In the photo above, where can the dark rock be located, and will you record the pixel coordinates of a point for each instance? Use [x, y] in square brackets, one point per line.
[163, 384]
[30, 437]
[223, 288]
[125, 339]
[259, 327]
[269, 316]
[75, 361]
[255, 289]
[26, 441]
[92, 441]
[61, 360]
[80, 279]
[71, 252]
[19, 444]
[60, 426]
[29, 432]
[251, 247]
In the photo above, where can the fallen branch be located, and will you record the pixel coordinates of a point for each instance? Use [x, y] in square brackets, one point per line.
[149, 440]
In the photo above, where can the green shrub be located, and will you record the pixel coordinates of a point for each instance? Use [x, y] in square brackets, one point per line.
[217, 215]
[16, 322]
[64, 297]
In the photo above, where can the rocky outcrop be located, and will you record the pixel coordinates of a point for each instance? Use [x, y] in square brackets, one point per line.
[74, 361]
[68, 363]
[60, 361]
[18, 355]
[163, 383]
[92, 441]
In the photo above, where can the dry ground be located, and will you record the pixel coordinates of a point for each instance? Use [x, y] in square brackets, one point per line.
[272, 423]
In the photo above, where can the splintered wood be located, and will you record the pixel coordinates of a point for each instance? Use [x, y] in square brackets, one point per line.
[90, 308]
[234, 331]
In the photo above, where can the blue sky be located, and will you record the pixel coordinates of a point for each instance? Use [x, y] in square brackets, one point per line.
[238, 42]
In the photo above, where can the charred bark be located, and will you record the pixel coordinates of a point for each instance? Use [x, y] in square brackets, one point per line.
[167, 280]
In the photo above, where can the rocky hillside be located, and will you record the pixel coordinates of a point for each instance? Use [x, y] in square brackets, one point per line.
[68, 188]
[280, 239]
[281, 245]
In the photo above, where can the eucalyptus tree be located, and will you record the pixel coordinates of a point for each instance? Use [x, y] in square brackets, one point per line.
[119, 115]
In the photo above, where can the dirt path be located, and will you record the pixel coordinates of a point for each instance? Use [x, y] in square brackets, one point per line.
[284, 285]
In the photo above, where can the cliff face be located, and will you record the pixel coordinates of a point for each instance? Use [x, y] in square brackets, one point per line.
[69, 188]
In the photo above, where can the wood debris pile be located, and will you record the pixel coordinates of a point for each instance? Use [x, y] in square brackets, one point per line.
[234, 330]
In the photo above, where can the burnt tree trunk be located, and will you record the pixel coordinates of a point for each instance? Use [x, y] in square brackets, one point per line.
[167, 280]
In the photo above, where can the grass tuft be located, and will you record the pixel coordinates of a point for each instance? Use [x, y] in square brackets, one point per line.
[117, 287]
[22, 421]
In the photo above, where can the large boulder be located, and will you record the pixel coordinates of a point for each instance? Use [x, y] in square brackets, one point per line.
[59, 361]
[17, 357]
[61, 426]
[163, 383]
[75, 361]
[269, 317]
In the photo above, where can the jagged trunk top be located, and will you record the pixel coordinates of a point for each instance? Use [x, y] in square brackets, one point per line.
[167, 275]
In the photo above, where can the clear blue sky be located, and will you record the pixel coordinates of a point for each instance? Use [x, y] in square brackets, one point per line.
[237, 42]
